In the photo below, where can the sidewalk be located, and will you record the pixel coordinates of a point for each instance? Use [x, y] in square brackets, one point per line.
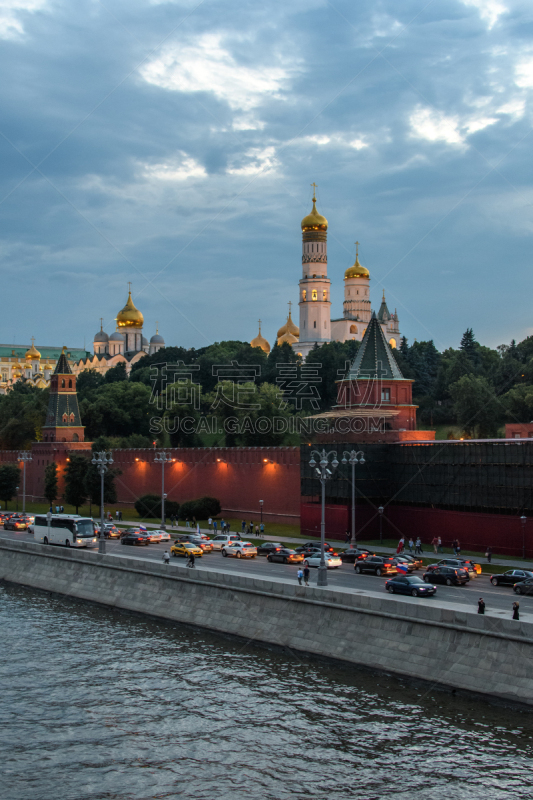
[500, 562]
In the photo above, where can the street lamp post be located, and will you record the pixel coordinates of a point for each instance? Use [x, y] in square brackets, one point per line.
[261, 507]
[102, 459]
[380, 512]
[324, 470]
[24, 456]
[353, 457]
[523, 520]
[162, 457]
[17, 488]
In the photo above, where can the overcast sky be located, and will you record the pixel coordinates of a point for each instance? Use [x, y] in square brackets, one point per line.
[173, 144]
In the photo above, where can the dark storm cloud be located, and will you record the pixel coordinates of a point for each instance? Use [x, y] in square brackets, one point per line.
[175, 146]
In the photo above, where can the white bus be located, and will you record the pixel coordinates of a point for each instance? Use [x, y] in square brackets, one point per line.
[70, 530]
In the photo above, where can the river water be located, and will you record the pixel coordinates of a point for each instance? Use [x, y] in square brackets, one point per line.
[96, 704]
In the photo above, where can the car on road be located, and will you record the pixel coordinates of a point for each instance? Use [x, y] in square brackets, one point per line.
[314, 546]
[265, 548]
[411, 559]
[186, 549]
[404, 564]
[448, 575]
[457, 563]
[285, 556]
[165, 536]
[238, 549]
[410, 584]
[134, 539]
[221, 539]
[352, 554]
[510, 577]
[377, 565]
[112, 532]
[333, 561]
[205, 544]
[153, 536]
[15, 524]
[524, 587]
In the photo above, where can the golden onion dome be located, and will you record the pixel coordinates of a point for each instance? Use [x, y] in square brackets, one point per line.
[287, 337]
[130, 317]
[260, 341]
[32, 353]
[314, 221]
[357, 271]
[289, 327]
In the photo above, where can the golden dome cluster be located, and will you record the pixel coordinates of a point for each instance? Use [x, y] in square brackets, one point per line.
[289, 332]
[357, 271]
[129, 316]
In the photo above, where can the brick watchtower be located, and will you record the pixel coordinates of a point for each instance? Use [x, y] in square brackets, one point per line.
[63, 422]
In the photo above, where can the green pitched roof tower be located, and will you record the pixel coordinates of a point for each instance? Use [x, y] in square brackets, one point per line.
[63, 422]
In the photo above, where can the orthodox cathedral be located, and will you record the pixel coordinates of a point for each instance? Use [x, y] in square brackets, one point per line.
[316, 325]
[126, 345]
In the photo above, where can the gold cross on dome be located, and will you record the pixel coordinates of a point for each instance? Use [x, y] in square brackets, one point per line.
[314, 191]
[157, 327]
[32, 340]
[357, 249]
[290, 307]
[129, 286]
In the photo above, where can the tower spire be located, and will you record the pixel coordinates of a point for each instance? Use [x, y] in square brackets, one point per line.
[314, 191]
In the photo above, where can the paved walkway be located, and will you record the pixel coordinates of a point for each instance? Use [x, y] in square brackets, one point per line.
[502, 562]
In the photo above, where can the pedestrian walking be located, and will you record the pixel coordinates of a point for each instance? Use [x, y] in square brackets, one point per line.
[209, 522]
[251, 526]
[480, 606]
[400, 547]
[243, 526]
[306, 575]
[458, 548]
[410, 545]
[348, 537]
[215, 525]
[257, 530]
[166, 557]
[198, 528]
[488, 554]
[454, 546]
[439, 544]
[261, 529]
[300, 575]
[418, 546]
[435, 543]
[190, 562]
[116, 515]
[187, 522]
[516, 613]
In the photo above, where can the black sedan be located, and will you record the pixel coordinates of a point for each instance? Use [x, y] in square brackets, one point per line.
[285, 555]
[135, 539]
[15, 524]
[524, 587]
[410, 584]
[378, 565]
[351, 555]
[268, 547]
[510, 577]
[448, 575]
[315, 546]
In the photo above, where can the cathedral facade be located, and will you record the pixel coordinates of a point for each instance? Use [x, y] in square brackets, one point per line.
[316, 324]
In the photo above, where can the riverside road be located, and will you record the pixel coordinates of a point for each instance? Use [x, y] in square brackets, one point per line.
[496, 598]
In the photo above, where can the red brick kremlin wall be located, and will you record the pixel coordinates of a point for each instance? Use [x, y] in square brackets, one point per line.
[238, 477]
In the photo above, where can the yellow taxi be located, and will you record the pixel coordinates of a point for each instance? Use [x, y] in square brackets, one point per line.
[185, 549]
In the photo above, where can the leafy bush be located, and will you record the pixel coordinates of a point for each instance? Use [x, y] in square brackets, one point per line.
[203, 508]
[149, 507]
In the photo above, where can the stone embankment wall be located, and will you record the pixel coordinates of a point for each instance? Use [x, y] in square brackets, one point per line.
[445, 646]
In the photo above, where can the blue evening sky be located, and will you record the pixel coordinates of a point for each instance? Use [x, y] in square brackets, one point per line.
[173, 144]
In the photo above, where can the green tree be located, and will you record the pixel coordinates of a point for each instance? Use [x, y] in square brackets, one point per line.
[518, 403]
[75, 491]
[117, 373]
[9, 481]
[22, 414]
[117, 409]
[88, 383]
[478, 410]
[469, 344]
[50, 482]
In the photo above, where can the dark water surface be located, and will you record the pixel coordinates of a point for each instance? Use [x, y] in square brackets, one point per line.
[96, 704]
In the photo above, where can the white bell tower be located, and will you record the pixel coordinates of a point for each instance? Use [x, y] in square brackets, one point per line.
[314, 301]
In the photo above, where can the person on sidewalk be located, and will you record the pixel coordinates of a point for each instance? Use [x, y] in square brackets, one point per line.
[300, 575]
[209, 522]
[458, 548]
[418, 546]
[306, 575]
[480, 606]
[190, 562]
[166, 557]
[261, 529]
[516, 613]
[439, 545]
[435, 543]
[215, 526]
[410, 545]
[401, 545]
[243, 526]
[454, 546]
[116, 515]
[187, 522]
[348, 537]
[488, 554]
